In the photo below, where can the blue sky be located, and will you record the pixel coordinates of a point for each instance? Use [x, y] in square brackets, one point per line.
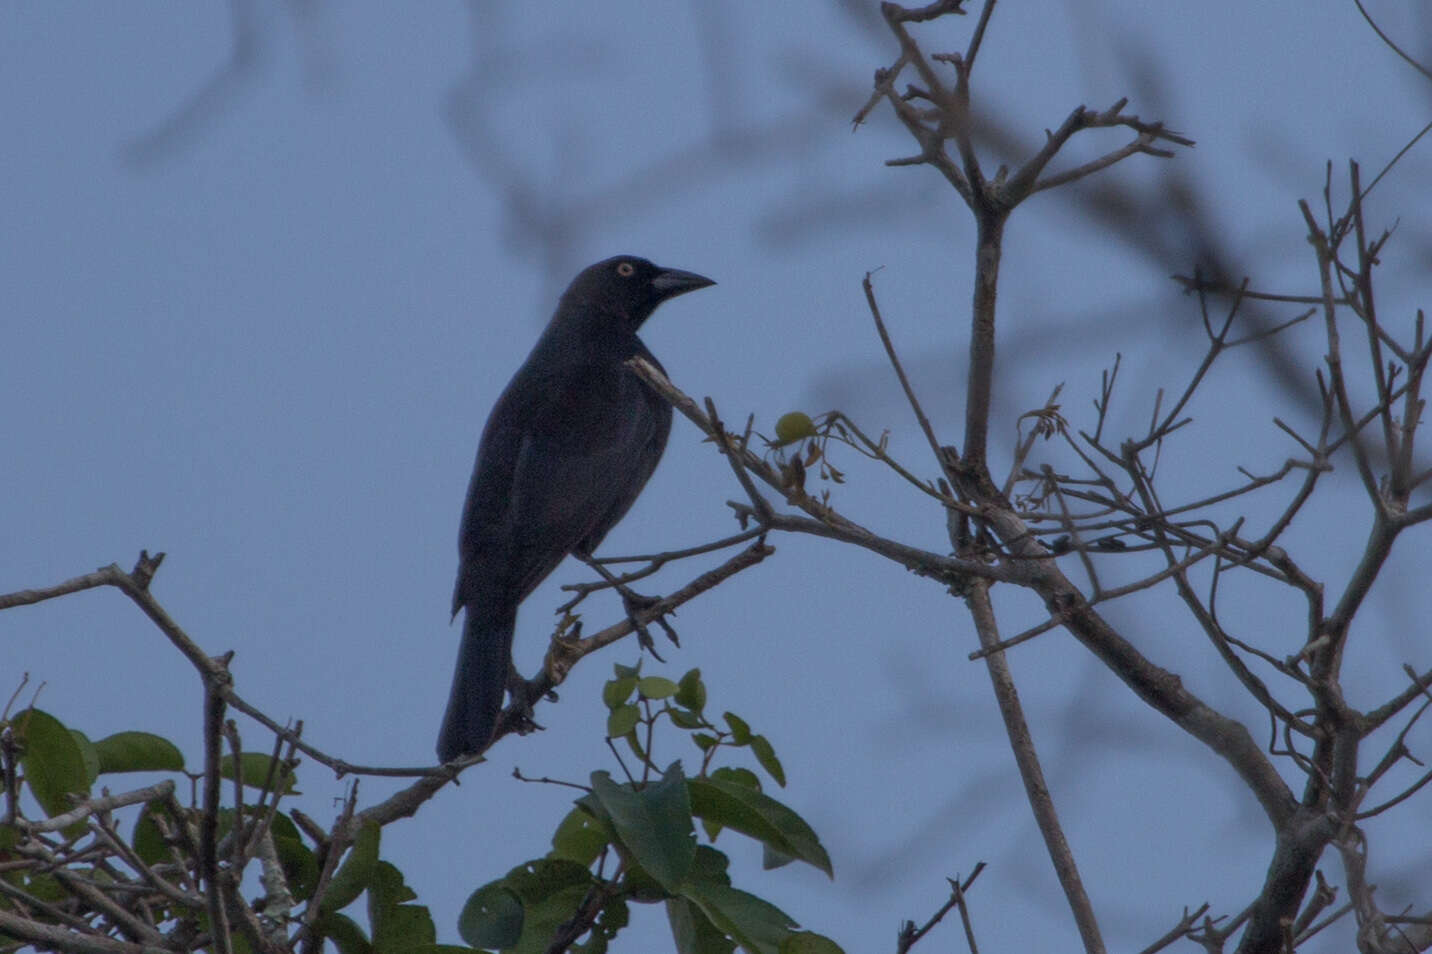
[265, 341]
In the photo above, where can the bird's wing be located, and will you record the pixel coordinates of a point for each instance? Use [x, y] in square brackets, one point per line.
[562, 459]
[644, 447]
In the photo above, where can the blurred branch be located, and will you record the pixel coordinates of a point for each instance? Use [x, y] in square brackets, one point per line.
[211, 99]
[558, 213]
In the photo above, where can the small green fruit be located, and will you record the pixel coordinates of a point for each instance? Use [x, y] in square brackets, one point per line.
[793, 426]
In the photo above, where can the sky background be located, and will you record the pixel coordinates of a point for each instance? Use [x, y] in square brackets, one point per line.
[261, 293]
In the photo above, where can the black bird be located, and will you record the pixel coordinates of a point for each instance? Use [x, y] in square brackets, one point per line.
[567, 448]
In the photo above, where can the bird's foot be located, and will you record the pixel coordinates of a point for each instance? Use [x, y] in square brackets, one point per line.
[518, 716]
[636, 604]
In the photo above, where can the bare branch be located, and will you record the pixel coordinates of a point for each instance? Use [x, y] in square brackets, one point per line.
[1035, 787]
[1182, 929]
[910, 935]
[95, 806]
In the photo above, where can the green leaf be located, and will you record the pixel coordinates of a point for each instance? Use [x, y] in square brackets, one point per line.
[710, 865]
[91, 757]
[355, 873]
[773, 858]
[738, 775]
[239, 943]
[579, 838]
[622, 720]
[147, 839]
[761, 748]
[691, 691]
[808, 942]
[757, 925]
[615, 915]
[740, 731]
[592, 806]
[549, 891]
[759, 816]
[618, 691]
[403, 928]
[685, 719]
[656, 687]
[257, 767]
[387, 889]
[546, 916]
[52, 760]
[692, 932]
[345, 934]
[492, 917]
[46, 887]
[397, 926]
[300, 864]
[634, 743]
[622, 672]
[702, 740]
[226, 819]
[138, 752]
[653, 822]
[540, 879]
[640, 886]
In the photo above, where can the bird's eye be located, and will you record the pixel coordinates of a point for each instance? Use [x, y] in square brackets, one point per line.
[626, 269]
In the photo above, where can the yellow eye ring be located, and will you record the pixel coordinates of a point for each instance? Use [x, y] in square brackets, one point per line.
[626, 269]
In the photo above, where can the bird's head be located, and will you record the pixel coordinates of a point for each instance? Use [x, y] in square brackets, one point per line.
[630, 287]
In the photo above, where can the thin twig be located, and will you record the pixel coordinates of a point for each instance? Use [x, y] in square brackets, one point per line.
[1182, 929]
[924, 421]
[910, 935]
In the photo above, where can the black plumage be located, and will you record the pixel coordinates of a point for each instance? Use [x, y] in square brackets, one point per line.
[567, 448]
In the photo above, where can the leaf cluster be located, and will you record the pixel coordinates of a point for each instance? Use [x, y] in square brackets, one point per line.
[636, 841]
[72, 872]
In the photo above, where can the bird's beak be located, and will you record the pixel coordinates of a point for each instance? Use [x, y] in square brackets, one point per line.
[673, 281]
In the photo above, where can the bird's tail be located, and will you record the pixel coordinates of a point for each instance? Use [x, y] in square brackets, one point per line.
[479, 682]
